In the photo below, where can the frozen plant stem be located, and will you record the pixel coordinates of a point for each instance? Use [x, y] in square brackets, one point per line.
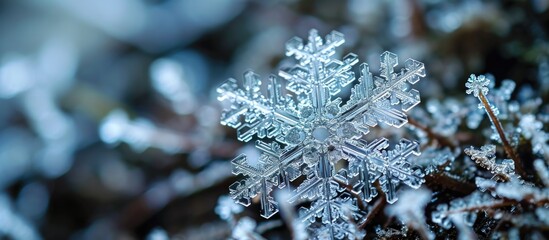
[479, 87]
[497, 124]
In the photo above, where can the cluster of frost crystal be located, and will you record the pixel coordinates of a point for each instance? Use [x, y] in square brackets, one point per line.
[486, 158]
[464, 208]
[305, 130]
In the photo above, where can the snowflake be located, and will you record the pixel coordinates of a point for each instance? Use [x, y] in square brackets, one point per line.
[477, 85]
[306, 129]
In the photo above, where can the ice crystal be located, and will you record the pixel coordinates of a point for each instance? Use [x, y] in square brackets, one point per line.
[309, 130]
[388, 233]
[486, 158]
[532, 129]
[477, 85]
[498, 101]
[464, 208]
[510, 201]
[522, 191]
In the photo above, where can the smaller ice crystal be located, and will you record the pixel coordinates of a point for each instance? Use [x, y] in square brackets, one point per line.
[522, 191]
[529, 126]
[169, 78]
[532, 129]
[439, 216]
[486, 158]
[390, 233]
[446, 116]
[477, 85]
[459, 207]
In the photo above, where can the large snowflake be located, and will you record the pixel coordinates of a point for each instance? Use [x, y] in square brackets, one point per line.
[305, 130]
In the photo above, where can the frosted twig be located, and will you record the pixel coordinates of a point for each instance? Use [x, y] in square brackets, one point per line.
[478, 86]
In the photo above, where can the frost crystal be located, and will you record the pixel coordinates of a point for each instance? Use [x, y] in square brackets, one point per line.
[309, 129]
[465, 208]
[477, 85]
[486, 158]
[498, 99]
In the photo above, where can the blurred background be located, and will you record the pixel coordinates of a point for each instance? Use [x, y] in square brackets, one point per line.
[108, 115]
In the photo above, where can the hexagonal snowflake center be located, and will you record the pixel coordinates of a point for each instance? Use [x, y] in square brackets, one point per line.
[321, 133]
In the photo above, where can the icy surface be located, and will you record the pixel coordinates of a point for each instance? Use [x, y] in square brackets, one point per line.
[305, 130]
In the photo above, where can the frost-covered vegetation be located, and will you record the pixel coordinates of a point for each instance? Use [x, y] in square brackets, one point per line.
[111, 124]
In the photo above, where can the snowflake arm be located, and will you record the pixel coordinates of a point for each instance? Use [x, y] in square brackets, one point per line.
[275, 168]
[373, 99]
[262, 116]
[390, 167]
